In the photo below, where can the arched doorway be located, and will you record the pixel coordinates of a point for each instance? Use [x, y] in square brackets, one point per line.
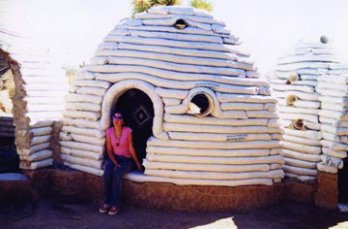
[138, 112]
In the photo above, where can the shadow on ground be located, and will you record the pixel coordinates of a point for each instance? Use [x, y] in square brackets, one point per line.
[49, 213]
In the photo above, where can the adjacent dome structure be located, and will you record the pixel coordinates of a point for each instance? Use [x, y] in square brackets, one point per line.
[199, 113]
[332, 88]
[305, 84]
[37, 101]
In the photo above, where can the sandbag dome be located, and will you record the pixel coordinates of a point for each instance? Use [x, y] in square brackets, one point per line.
[310, 87]
[214, 121]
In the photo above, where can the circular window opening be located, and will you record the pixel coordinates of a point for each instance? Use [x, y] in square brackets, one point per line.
[291, 99]
[292, 78]
[298, 124]
[180, 24]
[201, 105]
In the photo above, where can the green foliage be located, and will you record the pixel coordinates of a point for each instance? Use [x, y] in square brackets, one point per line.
[169, 2]
[202, 4]
[143, 5]
[140, 6]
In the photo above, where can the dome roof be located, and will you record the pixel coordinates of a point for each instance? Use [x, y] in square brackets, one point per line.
[172, 38]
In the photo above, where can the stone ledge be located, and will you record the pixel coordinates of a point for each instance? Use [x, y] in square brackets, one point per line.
[327, 194]
[298, 191]
[75, 186]
[67, 185]
[201, 198]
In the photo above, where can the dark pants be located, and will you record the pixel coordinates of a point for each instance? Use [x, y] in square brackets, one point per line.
[113, 179]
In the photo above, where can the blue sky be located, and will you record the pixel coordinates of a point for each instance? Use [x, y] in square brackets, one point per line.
[72, 29]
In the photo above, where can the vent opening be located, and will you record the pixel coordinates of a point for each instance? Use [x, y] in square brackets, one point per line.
[180, 24]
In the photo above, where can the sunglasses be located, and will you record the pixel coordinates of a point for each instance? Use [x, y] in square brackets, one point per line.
[117, 117]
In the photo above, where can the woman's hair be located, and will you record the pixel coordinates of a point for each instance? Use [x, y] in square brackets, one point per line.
[118, 110]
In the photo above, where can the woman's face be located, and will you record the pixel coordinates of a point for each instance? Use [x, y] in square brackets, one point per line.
[117, 119]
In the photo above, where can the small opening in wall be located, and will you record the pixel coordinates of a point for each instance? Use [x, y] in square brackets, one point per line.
[200, 105]
[298, 124]
[292, 78]
[180, 24]
[291, 99]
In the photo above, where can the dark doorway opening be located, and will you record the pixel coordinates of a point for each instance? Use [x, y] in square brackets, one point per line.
[138, 114]
[343, 183]
[9, 159]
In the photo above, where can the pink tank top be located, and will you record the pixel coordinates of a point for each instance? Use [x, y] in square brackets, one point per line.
[120, 146]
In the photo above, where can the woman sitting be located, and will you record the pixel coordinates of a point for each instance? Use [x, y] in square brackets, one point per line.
[120, 151]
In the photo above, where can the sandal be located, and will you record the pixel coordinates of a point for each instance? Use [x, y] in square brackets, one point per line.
[114, 210]
[104, 208]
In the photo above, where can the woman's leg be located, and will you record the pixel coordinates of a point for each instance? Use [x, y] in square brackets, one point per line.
[108, 179]
[126, 165]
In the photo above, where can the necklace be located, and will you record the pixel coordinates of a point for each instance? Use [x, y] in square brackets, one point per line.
[118, 140]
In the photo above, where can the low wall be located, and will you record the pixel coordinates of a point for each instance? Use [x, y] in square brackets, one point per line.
[74, 186]
[201, 198]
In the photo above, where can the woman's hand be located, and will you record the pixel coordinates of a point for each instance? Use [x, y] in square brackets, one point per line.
[140, 168]
[117, 166]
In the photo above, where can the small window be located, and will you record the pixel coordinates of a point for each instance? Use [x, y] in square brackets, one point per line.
[292, 78]
[180, 24]
[200, 105]
[298, 124]
[291, 99]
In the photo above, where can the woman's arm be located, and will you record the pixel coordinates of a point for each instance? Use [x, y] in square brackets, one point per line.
[132, 152]
[109, 150]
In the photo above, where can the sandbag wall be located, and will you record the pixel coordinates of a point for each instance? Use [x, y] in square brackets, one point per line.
[295, 85]
[40, 88]
[7, 128]
[174, 54]
[332, 88]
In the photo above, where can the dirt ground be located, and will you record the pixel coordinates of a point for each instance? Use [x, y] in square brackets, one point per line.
[51, 214]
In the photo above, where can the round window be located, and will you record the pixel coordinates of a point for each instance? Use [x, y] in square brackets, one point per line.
[201, 105]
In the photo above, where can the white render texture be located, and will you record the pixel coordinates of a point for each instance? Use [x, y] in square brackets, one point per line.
[40, 89]
[236, 142]
[310, 87]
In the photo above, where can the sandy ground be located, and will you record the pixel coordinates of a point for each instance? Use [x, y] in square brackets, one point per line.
[51, 214]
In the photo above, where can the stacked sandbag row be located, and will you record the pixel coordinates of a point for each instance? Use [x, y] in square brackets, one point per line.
[237, 145]
[39, 88]
[174, 54]
[294, 84]
[82, 138]
[7, 128]
[333, 88]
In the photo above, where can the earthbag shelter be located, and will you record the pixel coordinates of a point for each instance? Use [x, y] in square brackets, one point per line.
[199, 113]
[37, 103]
[310, 87]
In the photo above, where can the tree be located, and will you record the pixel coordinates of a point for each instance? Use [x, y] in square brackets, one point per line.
[143, 5]
[202, 4]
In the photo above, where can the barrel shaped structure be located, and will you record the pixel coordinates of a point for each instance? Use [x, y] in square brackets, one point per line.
[174, 54]
[332, 88]
[297, 85]
[39, 88]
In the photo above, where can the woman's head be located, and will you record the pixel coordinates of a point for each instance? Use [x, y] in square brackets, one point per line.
[117, 118]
